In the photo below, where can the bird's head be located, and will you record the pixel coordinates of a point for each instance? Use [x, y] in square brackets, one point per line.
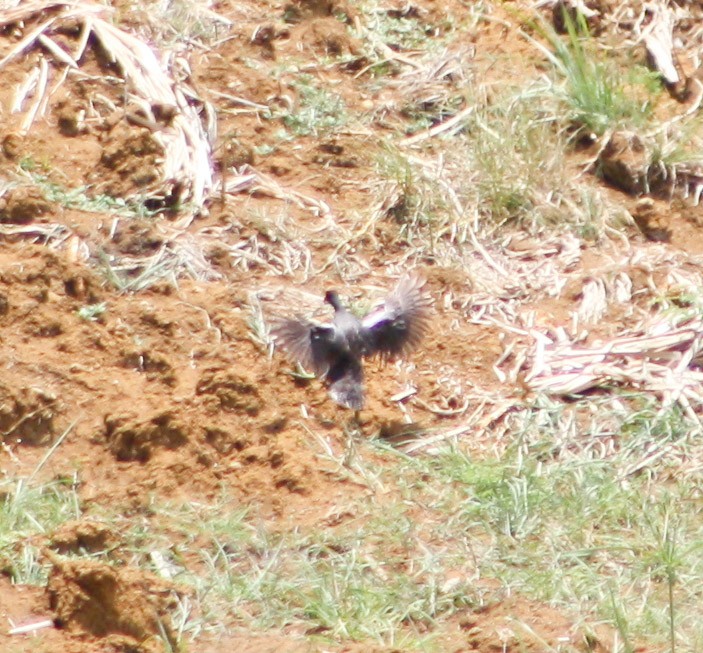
[332, 298]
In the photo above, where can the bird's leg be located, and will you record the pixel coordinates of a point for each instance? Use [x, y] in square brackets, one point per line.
[354, 424]
[352, 430]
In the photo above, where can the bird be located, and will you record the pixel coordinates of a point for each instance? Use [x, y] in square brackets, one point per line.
[334, 352]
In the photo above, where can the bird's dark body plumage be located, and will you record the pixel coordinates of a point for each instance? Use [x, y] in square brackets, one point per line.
[335, 351]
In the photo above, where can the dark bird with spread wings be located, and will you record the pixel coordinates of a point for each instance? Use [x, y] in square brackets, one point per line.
[335, 351]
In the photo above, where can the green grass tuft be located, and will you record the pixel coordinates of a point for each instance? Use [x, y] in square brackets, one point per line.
[598, 95]
[28, 511]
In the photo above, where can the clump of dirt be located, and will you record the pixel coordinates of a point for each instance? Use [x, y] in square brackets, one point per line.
[70, 116]
[134, 437]
[13, 146]
[157, 365]
[623, 162]
[133, 155]
[44, 277]
[138, 237]
[325, 36]
[82, 535]
[653, 224]
[300, 9]
[659, 197]
[27, 414]
[23, 205]
[125, 605]
[41, 293]
[232, 390]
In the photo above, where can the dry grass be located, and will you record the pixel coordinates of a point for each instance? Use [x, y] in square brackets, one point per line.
[186, 169]
[585, 495]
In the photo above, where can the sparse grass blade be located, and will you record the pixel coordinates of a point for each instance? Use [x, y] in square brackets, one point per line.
[28, 511]
[598, 95]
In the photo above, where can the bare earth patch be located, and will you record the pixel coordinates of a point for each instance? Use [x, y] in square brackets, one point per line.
[135, 295]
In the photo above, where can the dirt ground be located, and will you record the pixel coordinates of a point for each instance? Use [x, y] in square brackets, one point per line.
[166, 392]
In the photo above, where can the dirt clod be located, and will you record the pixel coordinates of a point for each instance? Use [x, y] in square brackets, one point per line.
[24, 205]
[133, 154]
[233, 391]
[26, 414]
[86, 535]
[326, 36]
[623, 162]
[131, 437]
[653, 224]
[12, 146]
[96, 599]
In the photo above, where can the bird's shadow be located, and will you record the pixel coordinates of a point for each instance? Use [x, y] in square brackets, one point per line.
[397, 433]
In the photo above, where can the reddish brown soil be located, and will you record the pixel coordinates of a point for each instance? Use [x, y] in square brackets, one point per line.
[165, 393]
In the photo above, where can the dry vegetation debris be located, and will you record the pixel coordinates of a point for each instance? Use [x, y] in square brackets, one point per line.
[177, 119]
[353, 144]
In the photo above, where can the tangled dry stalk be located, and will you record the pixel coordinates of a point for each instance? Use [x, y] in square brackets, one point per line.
[151, 91]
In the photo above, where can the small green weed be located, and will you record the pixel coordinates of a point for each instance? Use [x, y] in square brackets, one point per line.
[319, 110]
[92, 312]
[401, 30]
[29, 164]
[80, 199]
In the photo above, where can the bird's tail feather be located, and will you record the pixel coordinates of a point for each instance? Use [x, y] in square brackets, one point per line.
[346, 380]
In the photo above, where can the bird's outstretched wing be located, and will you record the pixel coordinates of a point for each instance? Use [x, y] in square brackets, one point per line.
[346, 382]
[397, 326]
[311, 344]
